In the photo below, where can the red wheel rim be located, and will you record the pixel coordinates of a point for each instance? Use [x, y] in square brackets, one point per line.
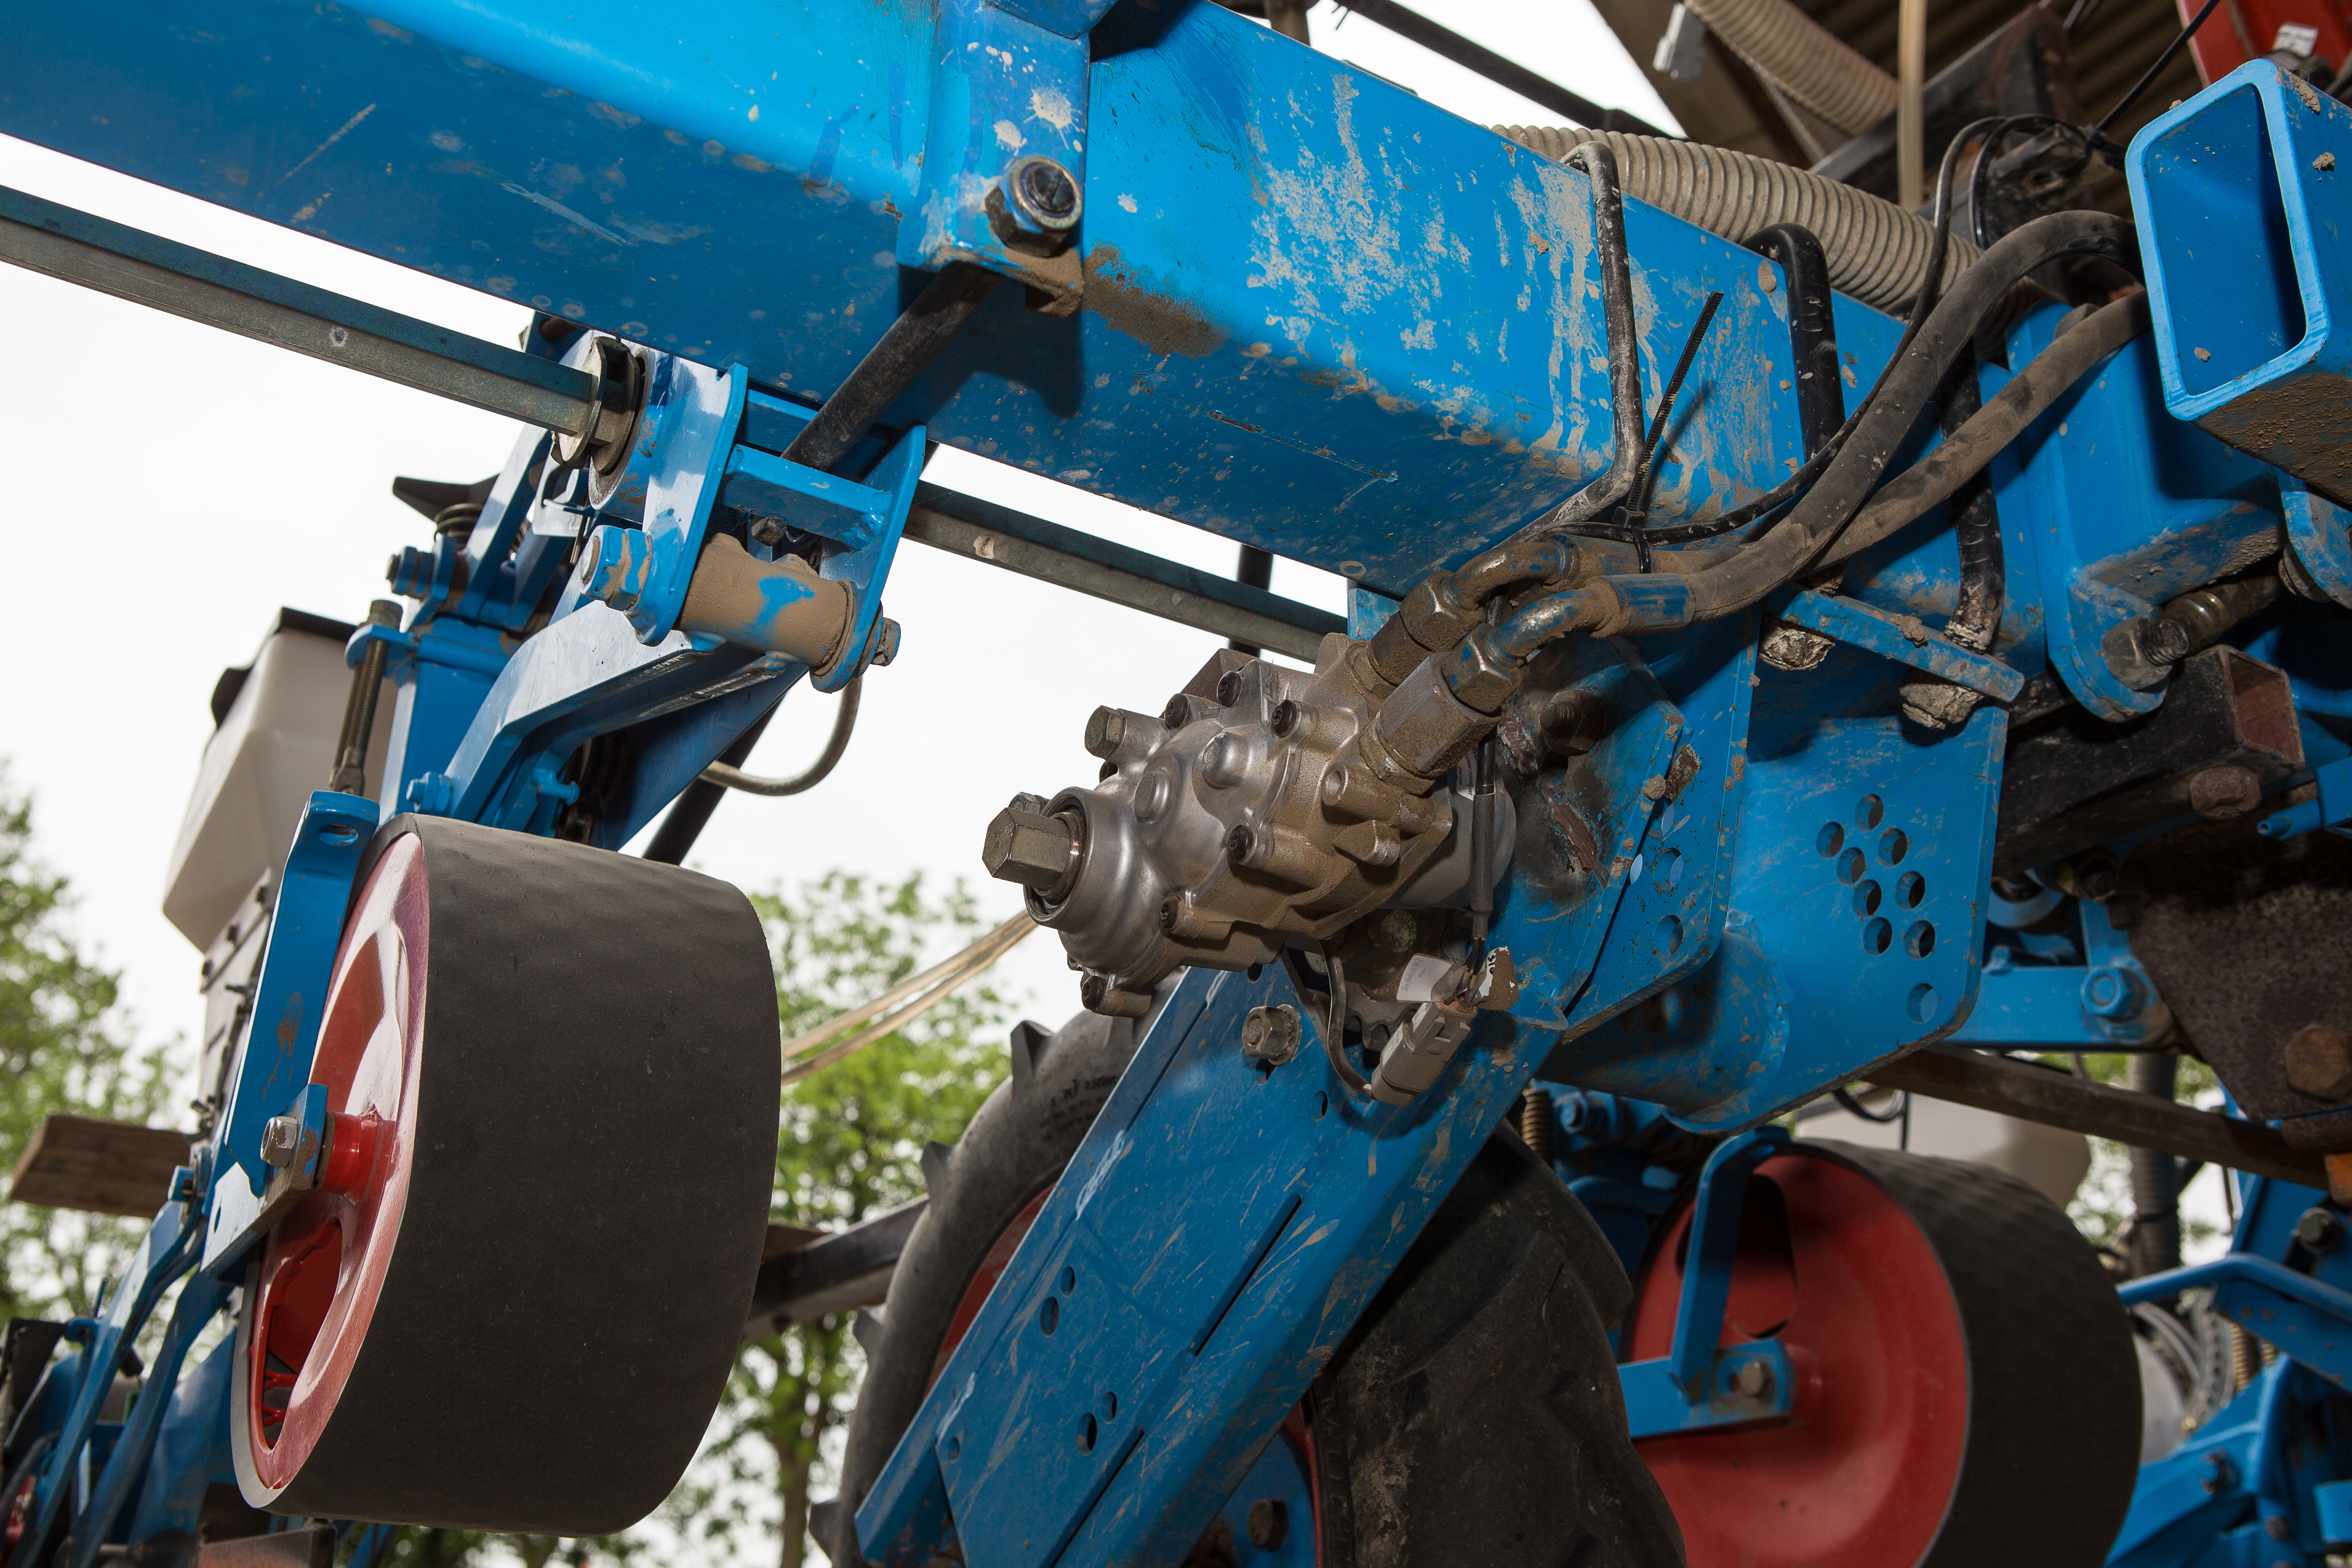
[1863, 1474]
[324, 1264]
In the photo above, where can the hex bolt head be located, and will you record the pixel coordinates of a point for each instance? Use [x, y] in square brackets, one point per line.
[1037, 851]
[2319, 1062]
[1044, 192]
[1284, 718]
[1229, 688]
[1106, 728]
[1753, 1379]
[1270, 1035]
[2112, 991]
[1269, 1523]
[1399, 932]
[2224, 792]
[2320, 1230]
[280, 1137]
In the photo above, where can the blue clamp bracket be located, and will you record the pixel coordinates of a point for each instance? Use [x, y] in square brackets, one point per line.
[281, 1033]
[2331, 809]
[1902, 639]
[1701, 1385]
[2305, 1318]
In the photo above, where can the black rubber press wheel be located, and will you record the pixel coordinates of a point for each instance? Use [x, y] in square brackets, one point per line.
[1473, 1415]
[1969, 1394]
[513, 1300]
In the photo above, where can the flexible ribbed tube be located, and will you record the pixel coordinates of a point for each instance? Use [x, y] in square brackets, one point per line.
[1877, 252]
[1803, 59]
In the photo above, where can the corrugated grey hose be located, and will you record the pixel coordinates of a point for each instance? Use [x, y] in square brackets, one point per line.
[1877, 252]
[1803, 59]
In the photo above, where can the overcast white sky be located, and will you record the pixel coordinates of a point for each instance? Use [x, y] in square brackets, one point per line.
[171, 486]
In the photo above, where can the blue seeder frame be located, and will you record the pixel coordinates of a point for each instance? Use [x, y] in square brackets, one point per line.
[1307, 311]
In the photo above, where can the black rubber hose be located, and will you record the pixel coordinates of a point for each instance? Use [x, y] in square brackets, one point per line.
[690, 813]
[1812, 330]
[1252, 568]
[2075, 354]
[1625, 346]
[1745, 573]
[837, 745]
[1975, 523]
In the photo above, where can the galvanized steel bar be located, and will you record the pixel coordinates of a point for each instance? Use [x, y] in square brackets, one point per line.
[163, 275]
[982, 531]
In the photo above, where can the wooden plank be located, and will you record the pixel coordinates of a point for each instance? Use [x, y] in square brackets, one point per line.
[2140, 1120]
[103, 1167]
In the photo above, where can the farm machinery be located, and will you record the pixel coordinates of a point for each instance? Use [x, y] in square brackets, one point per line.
[1793, 641]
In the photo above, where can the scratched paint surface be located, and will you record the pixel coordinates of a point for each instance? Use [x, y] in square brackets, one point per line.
[1322, 315]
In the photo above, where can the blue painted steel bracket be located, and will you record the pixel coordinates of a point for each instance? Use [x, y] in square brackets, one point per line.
[272, 1063]
[2307, 1319]
[2331, 808]
[2249, 267]
[1556, 935]
[1856, 917]
[1205, 1327]
[1657, 1407]
[1670, 917]
[127, 1465]
[2321, 532]
[2119, 508]
[1906, 639]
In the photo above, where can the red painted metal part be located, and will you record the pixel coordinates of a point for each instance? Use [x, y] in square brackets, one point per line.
[2243, 30]
[1862, 1474]
[324, 1264]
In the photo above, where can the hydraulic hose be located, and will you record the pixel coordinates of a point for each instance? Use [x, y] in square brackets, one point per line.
[1965, 452]
[836, 743]
[1742, 574]
[1877, 253]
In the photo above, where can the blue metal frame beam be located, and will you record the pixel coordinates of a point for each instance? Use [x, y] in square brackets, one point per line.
[1267, 350]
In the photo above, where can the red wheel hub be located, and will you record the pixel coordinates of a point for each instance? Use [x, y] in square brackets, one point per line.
[1862, 1475]
[324, 1264]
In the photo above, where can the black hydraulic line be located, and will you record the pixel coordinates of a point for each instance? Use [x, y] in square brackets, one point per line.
[350, 777]
[1747, 572]
[1253, 569]
[690, 813]
[2077, 351]
[198, 285]
[1624, 345]
[1812, 330]
[1975, 523]
[1638, 512]
[1450, 45]
[1334, 1027]
[2180, 42]
[934, 316]
[836, 744]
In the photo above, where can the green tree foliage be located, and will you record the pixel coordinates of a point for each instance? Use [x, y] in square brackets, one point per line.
[851, 1148]
[63, 1047]
[2102, 1208]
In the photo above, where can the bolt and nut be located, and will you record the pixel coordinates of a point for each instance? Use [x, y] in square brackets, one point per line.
[2319, 1062]
[2224, 792]
[1270, 1035]
[281, 1139]
[2320, 1230]
[1753, 1379]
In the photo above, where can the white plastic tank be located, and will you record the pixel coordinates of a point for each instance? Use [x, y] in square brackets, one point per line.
[278, 719]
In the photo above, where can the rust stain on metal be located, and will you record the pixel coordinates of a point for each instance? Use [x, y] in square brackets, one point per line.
[1159, 322]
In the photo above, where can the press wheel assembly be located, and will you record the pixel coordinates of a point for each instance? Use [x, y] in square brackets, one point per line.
[1968, 1391]
[1473, 1415]
[513, 1298]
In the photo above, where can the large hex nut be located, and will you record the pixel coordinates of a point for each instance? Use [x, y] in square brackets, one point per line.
[1027, 847]
[1425, 728]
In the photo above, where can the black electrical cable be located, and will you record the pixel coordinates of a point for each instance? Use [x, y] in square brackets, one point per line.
[1645, 483]
[1815, 465]
[1335, 1026]
[2180, 42]
[1855, 1108]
